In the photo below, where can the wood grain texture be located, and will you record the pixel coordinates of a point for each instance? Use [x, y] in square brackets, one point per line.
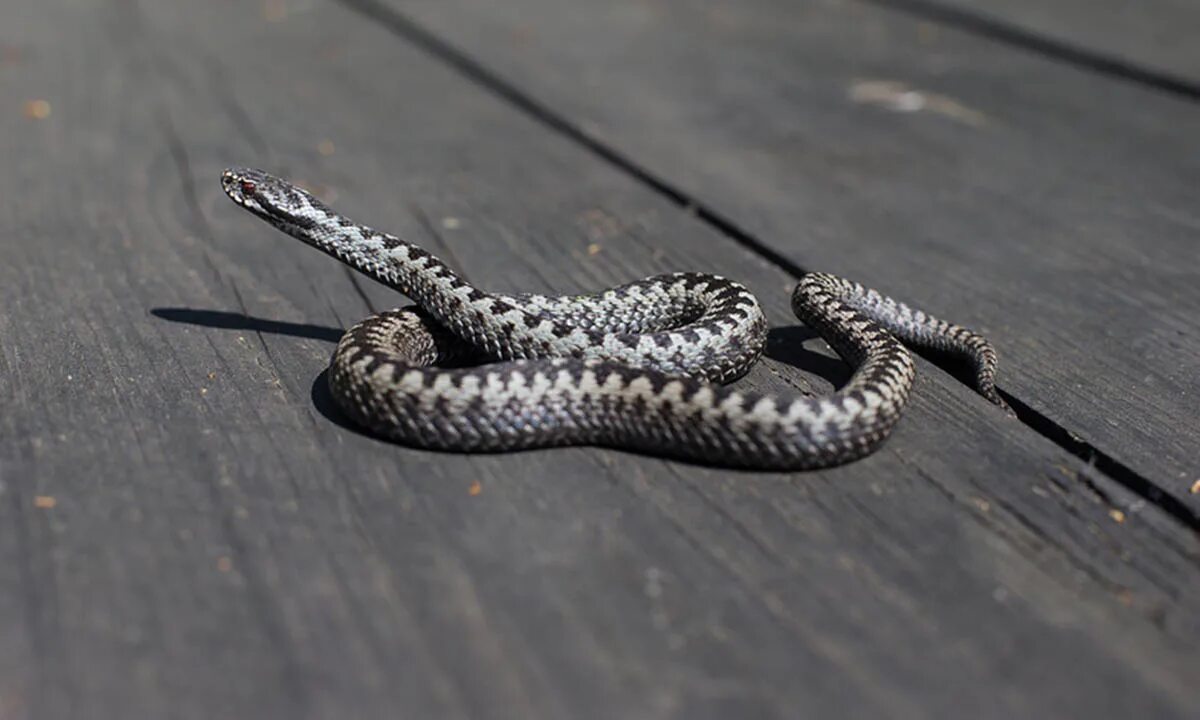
[190, 531]
[1050, 208]
[1157, 35]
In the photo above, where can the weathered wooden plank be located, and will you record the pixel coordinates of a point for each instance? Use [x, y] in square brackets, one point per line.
[188, 533]
[1049, 207]
[1157, 37]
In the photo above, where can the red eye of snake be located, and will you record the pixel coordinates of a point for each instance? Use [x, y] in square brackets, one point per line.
[248, 187]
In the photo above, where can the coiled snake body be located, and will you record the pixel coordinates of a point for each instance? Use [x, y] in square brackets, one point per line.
[637, 366]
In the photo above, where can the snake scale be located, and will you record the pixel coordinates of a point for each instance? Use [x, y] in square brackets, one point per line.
[638, 366]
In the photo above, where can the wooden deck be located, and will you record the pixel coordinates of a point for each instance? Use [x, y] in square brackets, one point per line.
[189, 530]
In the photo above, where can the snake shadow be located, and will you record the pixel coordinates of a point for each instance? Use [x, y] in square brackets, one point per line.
[238, 321]
[321, 397]
[786, 345]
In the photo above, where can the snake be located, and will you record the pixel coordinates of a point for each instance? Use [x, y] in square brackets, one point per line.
[645, 366]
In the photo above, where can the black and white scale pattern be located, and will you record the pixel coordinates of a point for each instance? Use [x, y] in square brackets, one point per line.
[638, 366]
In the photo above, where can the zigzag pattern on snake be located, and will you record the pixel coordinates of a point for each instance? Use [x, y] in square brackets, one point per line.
[639, 366]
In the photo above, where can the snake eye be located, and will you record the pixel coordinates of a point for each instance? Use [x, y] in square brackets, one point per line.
[248, 188]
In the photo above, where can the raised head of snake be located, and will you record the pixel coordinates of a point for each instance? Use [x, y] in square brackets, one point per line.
[280, 203]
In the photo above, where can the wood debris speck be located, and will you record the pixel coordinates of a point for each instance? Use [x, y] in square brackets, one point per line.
[36, 109]
[599, 224]
[899, 97]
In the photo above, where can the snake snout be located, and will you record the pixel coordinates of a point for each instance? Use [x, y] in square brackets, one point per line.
[278, 202]
[241, 184]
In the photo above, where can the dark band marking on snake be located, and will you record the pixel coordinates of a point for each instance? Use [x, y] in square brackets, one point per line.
[638, 366]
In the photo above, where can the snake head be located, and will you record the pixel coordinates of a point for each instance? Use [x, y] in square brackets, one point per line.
[272, 199]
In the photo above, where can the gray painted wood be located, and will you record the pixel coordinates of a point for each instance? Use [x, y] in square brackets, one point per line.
[189, 531]
[1156, 35]
[1051, 208]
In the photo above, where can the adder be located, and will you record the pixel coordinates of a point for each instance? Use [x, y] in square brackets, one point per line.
[640, 366]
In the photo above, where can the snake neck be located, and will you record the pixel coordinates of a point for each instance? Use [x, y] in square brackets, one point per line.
[692, 324]
[492, 323]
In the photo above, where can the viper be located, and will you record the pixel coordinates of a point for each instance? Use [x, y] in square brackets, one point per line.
[643, 366]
